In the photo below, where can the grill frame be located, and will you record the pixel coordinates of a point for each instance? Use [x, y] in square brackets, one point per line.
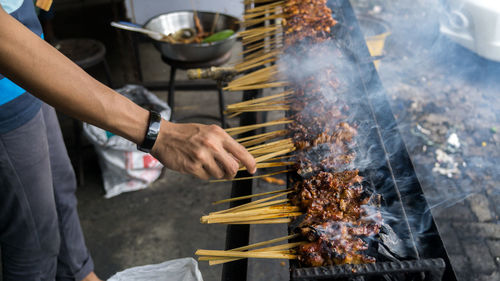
[432, 262]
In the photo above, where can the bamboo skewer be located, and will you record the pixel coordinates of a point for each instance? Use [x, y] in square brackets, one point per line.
[249, 16]
[271, 155]
[270, 45]
[267, 221]
[277, 133]
[253, 177]
[250, 254]
[255, 204]
[259, 86]
[267, 210]
[249, 196]
[254, 207]
[260, 100]
[248, 128]
[213, 260]
[255, 21]
[264, 7]
[269, 165]
[247, 218]
[270, 144]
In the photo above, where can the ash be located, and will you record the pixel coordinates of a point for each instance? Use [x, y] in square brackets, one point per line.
[447, 103]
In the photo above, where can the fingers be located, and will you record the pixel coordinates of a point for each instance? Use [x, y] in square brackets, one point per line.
[200, 172]
[212, 168]
[228, 163]
[240, 153]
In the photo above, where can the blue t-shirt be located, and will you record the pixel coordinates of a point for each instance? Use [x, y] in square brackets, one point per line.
[16, 105]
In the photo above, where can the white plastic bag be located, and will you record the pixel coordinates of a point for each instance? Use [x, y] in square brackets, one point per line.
[185, 269]
[124, 168]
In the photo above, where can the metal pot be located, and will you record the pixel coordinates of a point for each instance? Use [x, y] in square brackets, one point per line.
[175, 21]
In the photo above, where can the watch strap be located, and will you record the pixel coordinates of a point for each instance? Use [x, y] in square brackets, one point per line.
[151, 133]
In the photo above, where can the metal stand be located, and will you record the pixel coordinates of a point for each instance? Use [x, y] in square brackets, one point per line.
[189, 65]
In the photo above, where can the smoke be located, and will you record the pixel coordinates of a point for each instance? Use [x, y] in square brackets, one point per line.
[424, 76]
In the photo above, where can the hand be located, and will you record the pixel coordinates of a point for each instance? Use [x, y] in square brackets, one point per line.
[202, 150]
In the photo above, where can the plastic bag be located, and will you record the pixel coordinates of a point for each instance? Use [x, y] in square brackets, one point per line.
[124, 168]
[185, 269]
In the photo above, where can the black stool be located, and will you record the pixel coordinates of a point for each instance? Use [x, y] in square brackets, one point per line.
[85, 53]
[174, 65]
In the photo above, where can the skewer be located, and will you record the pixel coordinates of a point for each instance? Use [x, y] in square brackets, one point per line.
[213, 260]
[250, 22]
[248, 128]
[264, 7]
[262, 139]
[247, 218]
[249, 196]
[268, 210]
[284, 202]
[253, 177]
[279, 132]
[269, 165]
[250, 254]
[269, 221]
[256, 204]
[271, 155]
[270, 144]
[259, 100]
[248, 16]
[258, 86]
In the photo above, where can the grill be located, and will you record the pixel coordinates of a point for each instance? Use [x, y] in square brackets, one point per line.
[394, 178]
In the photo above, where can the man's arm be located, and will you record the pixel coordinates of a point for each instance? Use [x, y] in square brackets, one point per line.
[44, 72]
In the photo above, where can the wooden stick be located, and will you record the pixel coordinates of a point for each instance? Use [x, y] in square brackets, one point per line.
[238, 254]
[269, 221]
[259, 100]
[248, 128]
[274, 154]
[260, 140]
[248, 16]
[220, 260]
[269, 165]
[249, 196]
[258, 86]
[253, 177]
[269, 150]
[251, 22]
[256, 204]
[273, 133]
[277, 209]
[241, 219]
[277, 101]
[264, 7]
[272, 144]
[268, 44]
[264, 243]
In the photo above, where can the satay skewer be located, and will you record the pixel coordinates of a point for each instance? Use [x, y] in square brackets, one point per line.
[249, 196]
[256, 203]
[262, 99]
[248, 128]
[250, 254]
[253, 177]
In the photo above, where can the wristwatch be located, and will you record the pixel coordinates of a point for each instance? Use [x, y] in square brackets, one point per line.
[151, 133]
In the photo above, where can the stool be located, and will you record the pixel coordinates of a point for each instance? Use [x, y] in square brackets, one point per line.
[85, 53]
[174, 65]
